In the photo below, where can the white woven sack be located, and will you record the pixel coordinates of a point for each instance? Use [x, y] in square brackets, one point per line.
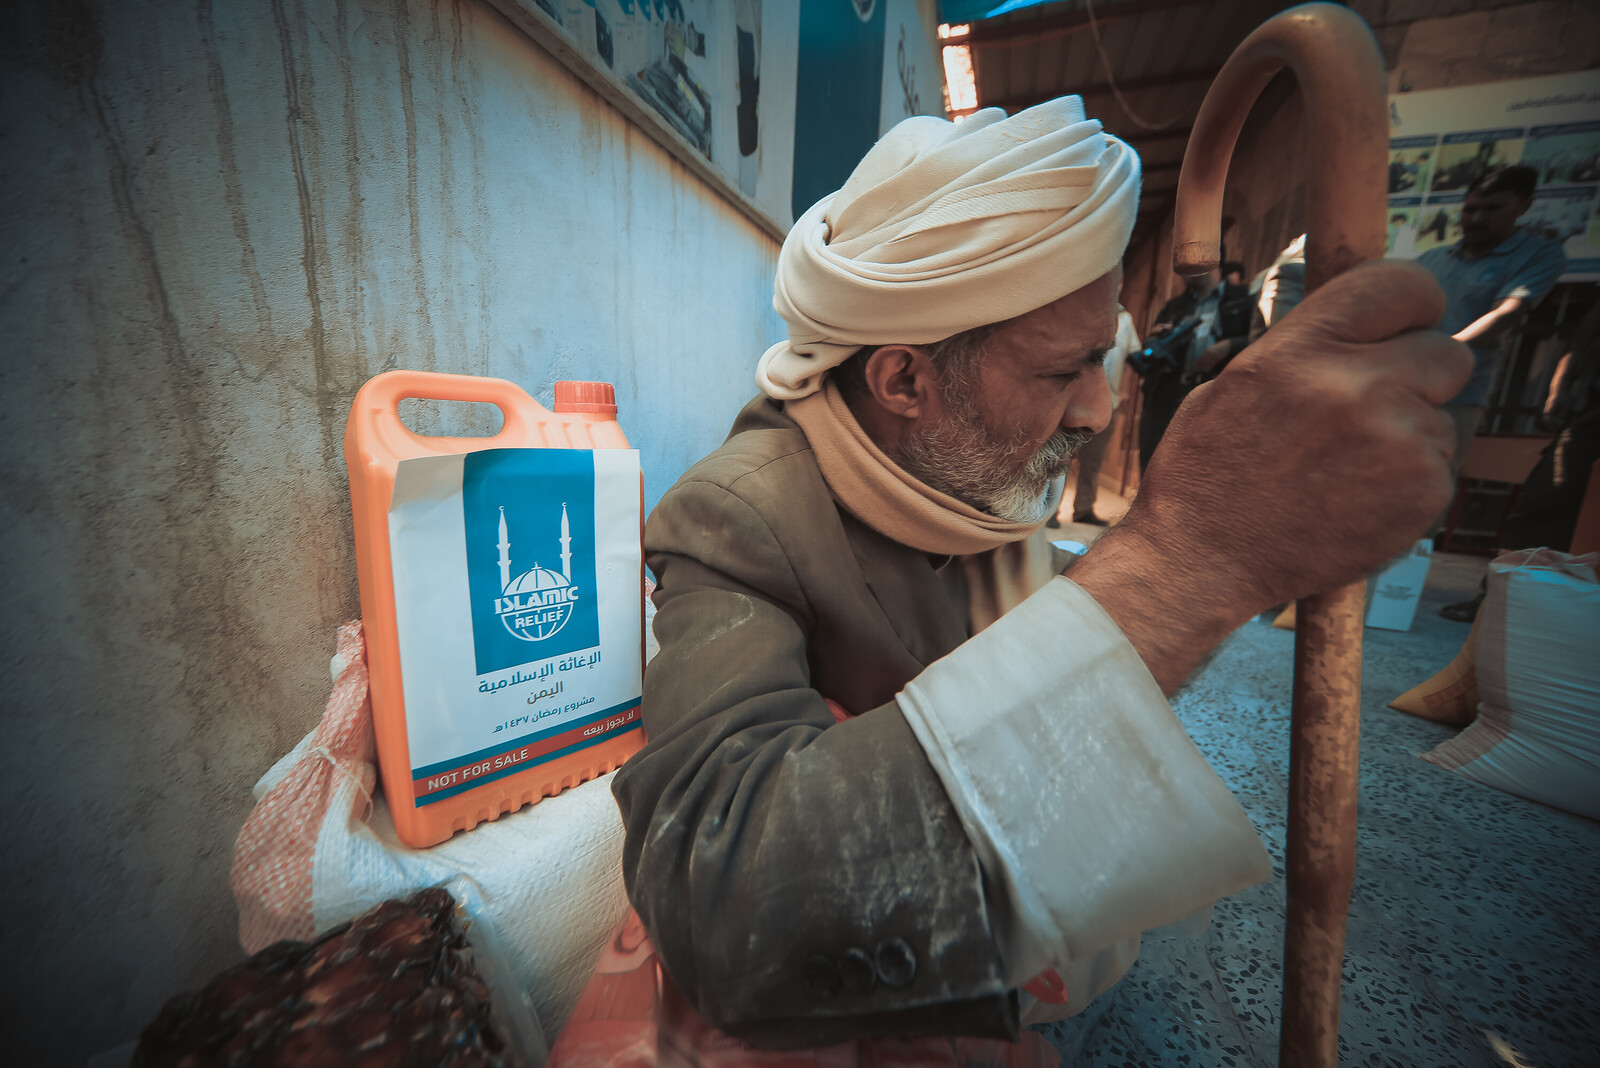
[320, 848]
[1538, 729]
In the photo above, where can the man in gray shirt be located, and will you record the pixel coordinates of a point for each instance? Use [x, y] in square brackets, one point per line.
[1491, 277]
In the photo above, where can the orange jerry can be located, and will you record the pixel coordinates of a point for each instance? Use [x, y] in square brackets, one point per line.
[501, 597]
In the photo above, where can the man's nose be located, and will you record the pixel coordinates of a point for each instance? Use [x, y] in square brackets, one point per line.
[1090, 406]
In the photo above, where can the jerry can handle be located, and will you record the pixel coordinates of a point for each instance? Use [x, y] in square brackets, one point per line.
[380, 398]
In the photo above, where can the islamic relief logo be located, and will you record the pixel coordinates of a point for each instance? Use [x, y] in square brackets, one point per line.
[537, 603]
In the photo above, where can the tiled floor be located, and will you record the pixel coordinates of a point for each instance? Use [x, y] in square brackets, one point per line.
[1473, 936]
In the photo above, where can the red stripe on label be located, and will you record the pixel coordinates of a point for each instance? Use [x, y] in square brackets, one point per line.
[523, 754]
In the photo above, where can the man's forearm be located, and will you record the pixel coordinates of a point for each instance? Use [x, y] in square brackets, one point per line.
[1172, 611]
[1492, 324]
[1557, 381]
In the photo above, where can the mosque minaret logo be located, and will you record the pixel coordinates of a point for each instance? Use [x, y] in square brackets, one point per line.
[537, 603]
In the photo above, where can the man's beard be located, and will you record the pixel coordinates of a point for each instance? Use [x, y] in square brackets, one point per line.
[965, 459]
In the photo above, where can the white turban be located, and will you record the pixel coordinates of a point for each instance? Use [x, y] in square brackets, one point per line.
[947, 226]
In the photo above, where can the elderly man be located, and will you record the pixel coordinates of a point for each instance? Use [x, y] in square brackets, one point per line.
[897, 768]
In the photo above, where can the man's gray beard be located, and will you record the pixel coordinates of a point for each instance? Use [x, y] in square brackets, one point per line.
[964, 459]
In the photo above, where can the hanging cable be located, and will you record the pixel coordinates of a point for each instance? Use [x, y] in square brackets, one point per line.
[1111, 80]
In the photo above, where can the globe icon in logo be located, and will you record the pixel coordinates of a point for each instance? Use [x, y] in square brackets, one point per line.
[537, 603]
[546, 600]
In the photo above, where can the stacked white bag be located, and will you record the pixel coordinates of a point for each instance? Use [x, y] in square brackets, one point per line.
[320, 848]
[1537, 734]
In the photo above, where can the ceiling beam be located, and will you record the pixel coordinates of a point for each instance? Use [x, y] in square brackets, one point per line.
[1155, 202]
[1158, 135]
[1014, 104]
[988, 34]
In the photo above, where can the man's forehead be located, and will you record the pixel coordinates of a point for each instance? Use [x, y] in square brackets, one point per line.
[1079, 324]
[1092, 308]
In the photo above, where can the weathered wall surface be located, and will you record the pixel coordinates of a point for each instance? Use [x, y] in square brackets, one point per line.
[219, 219]
[1454, 42]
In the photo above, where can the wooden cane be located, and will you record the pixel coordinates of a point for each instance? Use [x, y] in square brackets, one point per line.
[1340, 73]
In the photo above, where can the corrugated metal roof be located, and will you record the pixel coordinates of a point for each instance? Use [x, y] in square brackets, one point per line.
[973, 10]
[1162, 56]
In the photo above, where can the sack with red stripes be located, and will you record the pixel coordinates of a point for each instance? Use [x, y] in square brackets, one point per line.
[319, 848]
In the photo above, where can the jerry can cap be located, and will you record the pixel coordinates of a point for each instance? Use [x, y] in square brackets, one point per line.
[599, 398]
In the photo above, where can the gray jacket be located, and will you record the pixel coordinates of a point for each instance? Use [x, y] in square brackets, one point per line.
[805, 882]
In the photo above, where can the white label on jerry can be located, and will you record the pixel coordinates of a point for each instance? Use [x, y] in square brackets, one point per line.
[518, 606]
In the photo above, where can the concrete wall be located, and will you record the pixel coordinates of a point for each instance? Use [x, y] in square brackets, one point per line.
[1436, 44]
[219, 220]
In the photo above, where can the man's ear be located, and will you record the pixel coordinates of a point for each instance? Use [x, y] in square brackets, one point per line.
[902, 380]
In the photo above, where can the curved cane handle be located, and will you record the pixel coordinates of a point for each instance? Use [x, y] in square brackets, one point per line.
[1339, 68]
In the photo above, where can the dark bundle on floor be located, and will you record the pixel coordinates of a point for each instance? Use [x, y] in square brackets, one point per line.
[394, 987]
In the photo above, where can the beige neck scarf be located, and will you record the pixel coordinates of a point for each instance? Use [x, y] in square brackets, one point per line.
[1004, 562]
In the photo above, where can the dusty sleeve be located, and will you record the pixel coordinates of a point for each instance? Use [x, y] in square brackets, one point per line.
[804, 882]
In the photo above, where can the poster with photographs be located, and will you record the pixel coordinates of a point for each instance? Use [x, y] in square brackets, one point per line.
[1438, 224]
[1411, 164]
[1560, 214]
[1567, 153]
[1466, 157]
[1401, 230]
[1443, 140]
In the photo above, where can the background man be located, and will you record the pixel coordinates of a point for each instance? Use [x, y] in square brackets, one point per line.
[1231, 333]
[887, 782]
[1491, 277]
[1216, 308]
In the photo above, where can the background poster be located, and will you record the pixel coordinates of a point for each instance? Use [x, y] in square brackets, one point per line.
[912, 83]
[840, 77]
[863, 65]
[780, 98]
[720, 74]
[1441, 140]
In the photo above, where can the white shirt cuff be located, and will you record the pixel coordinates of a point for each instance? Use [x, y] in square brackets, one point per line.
[1077, 785]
